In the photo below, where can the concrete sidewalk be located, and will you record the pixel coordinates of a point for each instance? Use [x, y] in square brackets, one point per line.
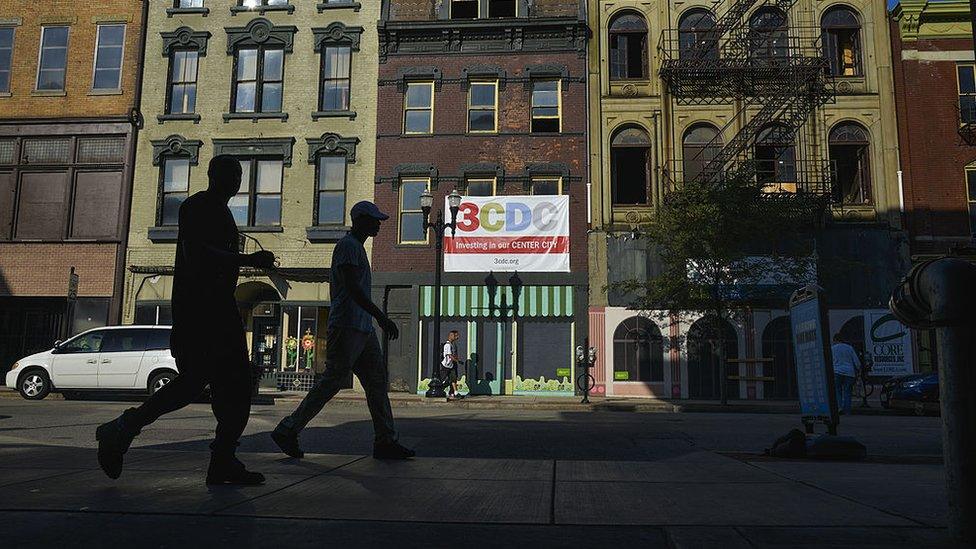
[51, 495]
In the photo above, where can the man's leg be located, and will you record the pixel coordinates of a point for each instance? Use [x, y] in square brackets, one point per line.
[231, 401]
[342, 349]
[371, 371]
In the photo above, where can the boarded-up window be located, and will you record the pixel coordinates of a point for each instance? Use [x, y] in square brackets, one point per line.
[41, 210]
[101, 150]
[7, 194]
[96, 205]
[7, 148]
[46, 151]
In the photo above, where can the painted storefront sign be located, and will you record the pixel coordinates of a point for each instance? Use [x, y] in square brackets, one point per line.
[510, 233]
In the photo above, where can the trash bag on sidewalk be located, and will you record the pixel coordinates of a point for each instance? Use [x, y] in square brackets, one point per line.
[790, 445]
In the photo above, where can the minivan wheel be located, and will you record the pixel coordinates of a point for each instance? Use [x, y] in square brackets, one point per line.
[159, 381]
[34, 384]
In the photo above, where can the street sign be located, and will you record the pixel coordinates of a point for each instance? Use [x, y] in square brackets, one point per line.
[814, 366]
[72, 285]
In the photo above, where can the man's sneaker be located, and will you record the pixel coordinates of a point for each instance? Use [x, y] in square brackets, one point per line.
[392, 450]
[288, 443]
[113, 442]
[230, 471]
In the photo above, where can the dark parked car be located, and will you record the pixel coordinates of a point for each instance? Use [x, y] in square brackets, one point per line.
[918, 393]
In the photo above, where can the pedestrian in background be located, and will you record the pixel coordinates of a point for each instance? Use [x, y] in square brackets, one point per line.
[846, 367]
[449, 363]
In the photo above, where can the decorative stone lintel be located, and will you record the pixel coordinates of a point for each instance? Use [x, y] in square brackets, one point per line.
[176, 146]
[185, 38]
[419, 74]
[485, 72]
[337, 34]
[492, 169]
[268, 146]
[261, 32]
[407, 170]
[538, 169]
[332, 144]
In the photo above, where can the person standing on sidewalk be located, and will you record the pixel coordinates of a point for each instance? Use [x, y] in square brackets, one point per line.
[208, 334]
[846, 368]
[450, 362]
[351, 343]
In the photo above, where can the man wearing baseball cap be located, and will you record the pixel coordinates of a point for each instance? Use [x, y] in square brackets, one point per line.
[351, 343]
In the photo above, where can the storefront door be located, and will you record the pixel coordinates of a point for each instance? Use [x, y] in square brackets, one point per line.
[264, 342]
[492, 359]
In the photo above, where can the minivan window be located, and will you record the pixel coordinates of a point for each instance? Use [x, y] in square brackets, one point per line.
[158, 339]
[121, 341]
[85, 343]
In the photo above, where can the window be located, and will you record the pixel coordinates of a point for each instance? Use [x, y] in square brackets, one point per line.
[697, 36]
[331, 201]
[108, 57]
[175, 188]
[502, 8]
[53, 59]
[85, 343]
[124, 341]
[701, 144]
[480, 187]
[96, 204]
[6, 54]
[638, 351]
[258, 80]
[252, 4]
[967, 93]
[183, 82]
[258, 204]
[775, 154]
[628, 47]
[41, 207]
[157, 339]
[464, 9]
[546, 111]
[629, 174]
[971, 195]
[189, 4]
[155, 314]
[841, 29]
[768, 36]
[335, 78]
[418, 115]
[849, 158]
[411, 221]
[547, 185]
[483, 107]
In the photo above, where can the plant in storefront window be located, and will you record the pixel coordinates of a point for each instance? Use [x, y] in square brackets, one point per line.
[291, 347]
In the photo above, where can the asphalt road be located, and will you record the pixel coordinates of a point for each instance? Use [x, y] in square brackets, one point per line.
[345, 428]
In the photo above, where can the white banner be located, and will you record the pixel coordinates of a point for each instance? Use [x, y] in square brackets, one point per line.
[509, 233]
[889, 343]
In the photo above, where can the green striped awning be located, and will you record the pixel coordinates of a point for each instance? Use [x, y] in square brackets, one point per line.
[467, 301]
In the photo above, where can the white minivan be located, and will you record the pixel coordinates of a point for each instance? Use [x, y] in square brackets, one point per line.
[113, 358]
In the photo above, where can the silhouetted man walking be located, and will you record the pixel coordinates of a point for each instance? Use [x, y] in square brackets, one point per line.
[351, 343]
[208, 334]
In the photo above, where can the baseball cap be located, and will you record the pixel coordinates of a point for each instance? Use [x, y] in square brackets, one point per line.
[365, 207]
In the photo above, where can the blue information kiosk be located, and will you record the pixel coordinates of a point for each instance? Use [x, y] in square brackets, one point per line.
[814, 366]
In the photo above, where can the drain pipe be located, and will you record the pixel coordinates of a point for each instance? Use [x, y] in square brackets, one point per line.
[939, 294]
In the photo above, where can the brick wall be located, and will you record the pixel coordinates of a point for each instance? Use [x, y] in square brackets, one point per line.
[83, 19]
[933, 155]
[423, 10]
[449, 147]
[21, 264]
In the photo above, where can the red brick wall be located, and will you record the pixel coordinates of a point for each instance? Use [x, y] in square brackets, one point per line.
[41, 270]
[933, 155]
[449, 147]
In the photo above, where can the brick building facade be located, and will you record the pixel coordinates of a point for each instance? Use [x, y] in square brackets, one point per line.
[68, 96]
[459, 82]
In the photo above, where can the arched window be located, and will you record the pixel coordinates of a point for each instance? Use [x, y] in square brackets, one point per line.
[777, 349]
[700, 144]
[638, 351]
[768, 36]
[850, 163]
[841, 29]
[775, 156]
[711, 343]
[629, 174]
[628, 47]
[696, 36]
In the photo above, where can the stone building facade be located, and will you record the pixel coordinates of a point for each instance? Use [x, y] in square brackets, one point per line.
[68, 97]
[459, 81]
[290, 89]
[645, 135]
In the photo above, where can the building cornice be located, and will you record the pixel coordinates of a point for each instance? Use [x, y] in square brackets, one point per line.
[926, 20]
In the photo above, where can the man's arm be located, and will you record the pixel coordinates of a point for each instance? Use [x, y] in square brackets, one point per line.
[348, 273]
[201, 253]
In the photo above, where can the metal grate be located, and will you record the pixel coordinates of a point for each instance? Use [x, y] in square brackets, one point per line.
[7, 149]
[295, 381]
[46, 151]
[101, 150]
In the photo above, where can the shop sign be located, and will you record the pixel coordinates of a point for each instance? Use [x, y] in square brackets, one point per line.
[889, 344]
[621, 376]
[509, 233]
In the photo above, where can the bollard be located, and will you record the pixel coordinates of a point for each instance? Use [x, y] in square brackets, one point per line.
[941, 294]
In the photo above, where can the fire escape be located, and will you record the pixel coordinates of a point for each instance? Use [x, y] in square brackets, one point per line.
[762, 58]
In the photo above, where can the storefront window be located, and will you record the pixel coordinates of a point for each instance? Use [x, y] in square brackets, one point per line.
[153, 314]
[305, 337]
[88, 314]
